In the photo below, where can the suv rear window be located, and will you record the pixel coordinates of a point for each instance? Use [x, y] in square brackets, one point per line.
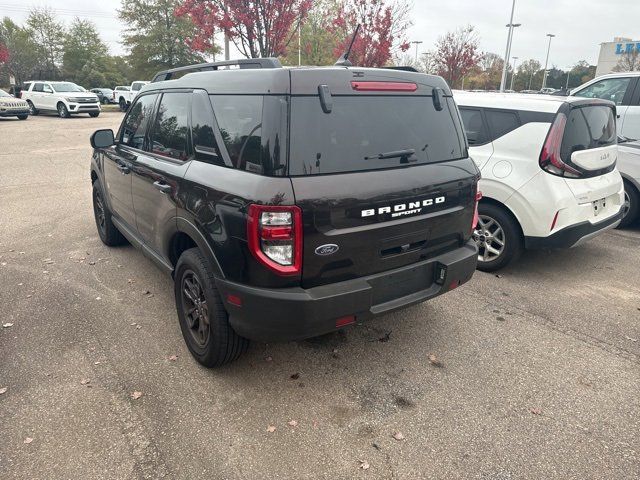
[361, 127]
[590, 126]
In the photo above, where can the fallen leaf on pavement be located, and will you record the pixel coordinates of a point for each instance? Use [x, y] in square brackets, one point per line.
[173, 358]
[7, 325]
[398, 436]
[85, 381]
[295, 376]
[271, 428]
[136, 395]
[293, 423]
[364, 465]
[3, 390]
[433, 360]
[536, 411]
[385, 338]
[28, 440]
[632, 339]
[98, 298]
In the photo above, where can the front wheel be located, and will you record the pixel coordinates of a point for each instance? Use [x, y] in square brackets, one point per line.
[108, 232]
[123, 105]
[23, 117]
[498, 238]
[63, 112]
[203, 319]
[94, 114]
[631, 207]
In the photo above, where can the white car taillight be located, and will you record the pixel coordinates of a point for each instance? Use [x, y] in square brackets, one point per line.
[274, 234]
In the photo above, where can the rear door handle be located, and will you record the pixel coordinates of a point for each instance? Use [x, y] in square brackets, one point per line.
[162, 186]
[123, 168]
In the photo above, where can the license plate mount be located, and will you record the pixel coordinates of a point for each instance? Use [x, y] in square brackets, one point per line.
[598, 206]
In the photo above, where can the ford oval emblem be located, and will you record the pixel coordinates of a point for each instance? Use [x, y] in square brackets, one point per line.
[327, 249]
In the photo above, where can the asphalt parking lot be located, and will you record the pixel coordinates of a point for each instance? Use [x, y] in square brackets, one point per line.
[534, 373]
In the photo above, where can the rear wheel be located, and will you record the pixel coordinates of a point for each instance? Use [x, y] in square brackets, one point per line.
[108, 232]
[63, 112]
[631, 207]
[203, 319]
[123, 104]
[94, 114]
[498, 238]
[32, 108]
[23, 117]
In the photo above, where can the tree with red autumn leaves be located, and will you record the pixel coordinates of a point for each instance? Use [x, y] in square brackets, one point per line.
[456, 54]
[262, 28]
[4, 53]
[382, 28]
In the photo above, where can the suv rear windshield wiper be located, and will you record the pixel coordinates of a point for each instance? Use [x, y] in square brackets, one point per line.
[402, 154]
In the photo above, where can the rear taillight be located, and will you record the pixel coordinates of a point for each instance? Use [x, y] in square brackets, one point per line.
[474, 222]
[550, 160]
[274, 234]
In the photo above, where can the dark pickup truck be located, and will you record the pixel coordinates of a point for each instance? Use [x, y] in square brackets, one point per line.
[290, 202]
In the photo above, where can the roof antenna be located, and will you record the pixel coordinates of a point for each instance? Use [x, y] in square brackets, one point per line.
[343, 61]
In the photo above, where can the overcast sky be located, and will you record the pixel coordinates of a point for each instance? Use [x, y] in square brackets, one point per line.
[580, 25]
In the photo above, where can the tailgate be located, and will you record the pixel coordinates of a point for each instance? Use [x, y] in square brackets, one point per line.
[361, 223]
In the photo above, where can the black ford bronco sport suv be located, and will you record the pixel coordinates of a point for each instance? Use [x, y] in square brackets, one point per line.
[290, 202]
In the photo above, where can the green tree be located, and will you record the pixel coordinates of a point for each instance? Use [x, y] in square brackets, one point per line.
[84, 55]
[155, 37]
[528, 76]
[48, 35]
[23, 52]
[581, 73]
[317, 38]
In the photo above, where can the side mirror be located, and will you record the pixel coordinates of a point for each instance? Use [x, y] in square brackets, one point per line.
[102, 138]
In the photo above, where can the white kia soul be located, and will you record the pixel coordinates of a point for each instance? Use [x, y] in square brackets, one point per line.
[549, 177]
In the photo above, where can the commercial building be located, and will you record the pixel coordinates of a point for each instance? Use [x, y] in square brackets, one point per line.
[611, 52]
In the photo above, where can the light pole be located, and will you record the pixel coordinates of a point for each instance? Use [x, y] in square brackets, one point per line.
[508, 50]
[416, 42]
[566, 87]
[546, 62]
[513, 73]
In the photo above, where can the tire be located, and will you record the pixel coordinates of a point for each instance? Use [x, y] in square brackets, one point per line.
[23, 117]
[215, 343]
[63, 112]
[123, 104]
[32, 108]
[496, 225]
[108, 232]
[94, 114]
[631, 205]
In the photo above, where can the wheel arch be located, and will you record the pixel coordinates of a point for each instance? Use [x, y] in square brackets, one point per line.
[499, 204]
[188, 236]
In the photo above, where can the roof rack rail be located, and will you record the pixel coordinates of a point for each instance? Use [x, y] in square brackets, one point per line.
[203, 67]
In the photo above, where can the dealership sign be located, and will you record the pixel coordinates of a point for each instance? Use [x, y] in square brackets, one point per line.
[622, 48]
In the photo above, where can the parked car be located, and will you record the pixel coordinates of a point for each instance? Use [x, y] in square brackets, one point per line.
[289, 203]
[64, 98]
[548, 171]
[547, 90]
[125, 97]
[623, 89]
[13, 107]
[105, 95]
[629, 166]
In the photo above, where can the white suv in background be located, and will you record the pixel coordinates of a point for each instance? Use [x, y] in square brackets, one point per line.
[64, 98]
[548, 165]
[623, 89]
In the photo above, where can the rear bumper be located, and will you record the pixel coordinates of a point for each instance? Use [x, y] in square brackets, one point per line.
[574, 235]
[269, 315]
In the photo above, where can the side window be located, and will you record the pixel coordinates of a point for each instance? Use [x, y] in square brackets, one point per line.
[46, 88]
[608, 89]
[135, 125]
[137, 86]
[240, 120]
[171, 126]
[502, 122]
[474, 126]
[38, 87]
[204, 143]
